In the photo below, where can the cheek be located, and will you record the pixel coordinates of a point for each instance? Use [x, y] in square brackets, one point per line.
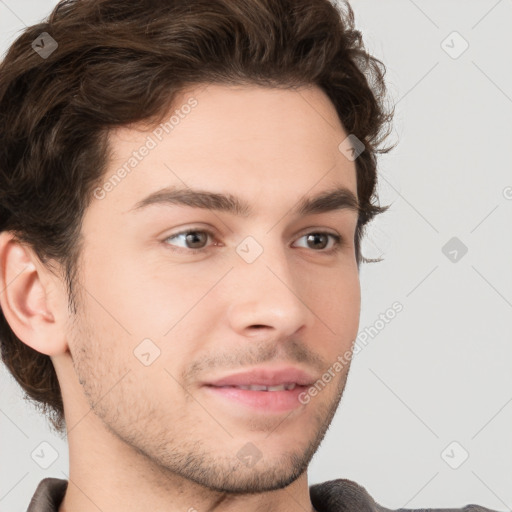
[139, 297]
[336, 294]
[337, 304]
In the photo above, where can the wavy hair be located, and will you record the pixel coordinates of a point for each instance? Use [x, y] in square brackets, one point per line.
[124, 61]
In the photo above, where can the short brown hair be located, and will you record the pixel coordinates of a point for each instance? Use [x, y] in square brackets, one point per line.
[124, 61]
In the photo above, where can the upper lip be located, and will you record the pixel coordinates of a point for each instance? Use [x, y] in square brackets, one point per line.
[265, 376]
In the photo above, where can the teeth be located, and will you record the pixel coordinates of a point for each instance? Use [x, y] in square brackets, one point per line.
[282, 387]
[256, 387]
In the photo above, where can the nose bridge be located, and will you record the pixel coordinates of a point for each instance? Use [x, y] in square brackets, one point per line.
[267, 291]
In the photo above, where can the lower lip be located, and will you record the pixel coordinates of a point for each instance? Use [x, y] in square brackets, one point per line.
[265, 401]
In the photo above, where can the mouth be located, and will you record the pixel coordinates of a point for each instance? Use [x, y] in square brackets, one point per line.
[257, 387]
[258, 398]
[266, 390]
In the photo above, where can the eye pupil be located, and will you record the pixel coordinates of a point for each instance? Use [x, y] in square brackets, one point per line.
[193, 235]
[315, 236]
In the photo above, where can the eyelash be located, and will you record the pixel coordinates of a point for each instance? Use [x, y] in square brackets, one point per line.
[337, 238]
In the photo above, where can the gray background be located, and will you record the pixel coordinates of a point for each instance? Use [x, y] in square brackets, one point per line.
[439, 372]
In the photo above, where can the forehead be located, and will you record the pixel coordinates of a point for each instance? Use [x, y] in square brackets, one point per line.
[251, 141]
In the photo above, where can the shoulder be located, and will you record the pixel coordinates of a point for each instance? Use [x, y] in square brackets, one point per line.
[342, 495]
[48, 495]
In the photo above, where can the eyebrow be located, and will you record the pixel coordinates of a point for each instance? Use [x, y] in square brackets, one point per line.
[339, 198]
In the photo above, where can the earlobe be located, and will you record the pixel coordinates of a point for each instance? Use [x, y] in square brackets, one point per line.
[25, 291]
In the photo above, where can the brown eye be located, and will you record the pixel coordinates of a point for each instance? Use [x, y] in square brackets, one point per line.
[194, 239]
[319, 240]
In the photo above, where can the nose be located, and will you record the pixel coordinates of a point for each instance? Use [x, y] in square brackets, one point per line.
[265, 296]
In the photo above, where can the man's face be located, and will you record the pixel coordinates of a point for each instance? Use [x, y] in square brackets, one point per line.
[161, 313]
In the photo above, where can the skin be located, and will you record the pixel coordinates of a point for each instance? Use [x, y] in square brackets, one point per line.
[151, 437]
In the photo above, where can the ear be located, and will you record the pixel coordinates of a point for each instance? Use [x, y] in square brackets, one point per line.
[32, 298]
